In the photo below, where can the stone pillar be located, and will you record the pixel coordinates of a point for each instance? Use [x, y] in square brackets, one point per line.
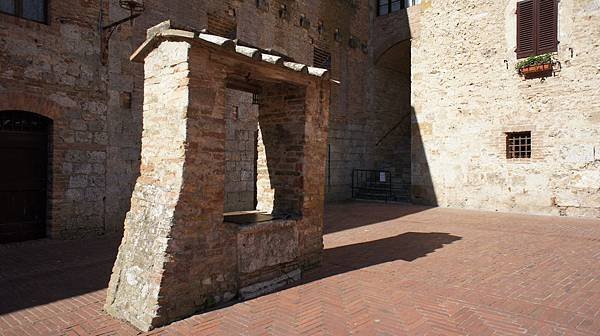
[176, 256]
[310, 228]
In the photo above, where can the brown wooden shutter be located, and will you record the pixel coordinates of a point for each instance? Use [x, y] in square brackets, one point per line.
[547, 26]
[526, 28]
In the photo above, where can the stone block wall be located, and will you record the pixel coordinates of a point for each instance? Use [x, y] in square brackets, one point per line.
[241, 118]
[282, 118]
[178, 256]
[97, 107]
[353, 127]
[55, 70]
[466, 96]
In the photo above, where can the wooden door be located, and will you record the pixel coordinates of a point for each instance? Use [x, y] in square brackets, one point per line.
[23, 175]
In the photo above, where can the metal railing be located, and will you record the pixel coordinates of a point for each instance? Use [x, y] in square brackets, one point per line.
[372, 184]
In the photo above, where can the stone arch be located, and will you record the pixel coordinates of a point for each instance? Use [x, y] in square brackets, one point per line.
[16, 101]
[30, 103]
[388, 45]
[390, 101]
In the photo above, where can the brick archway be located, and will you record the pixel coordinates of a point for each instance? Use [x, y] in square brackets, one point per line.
[16, 101]
[31, 103]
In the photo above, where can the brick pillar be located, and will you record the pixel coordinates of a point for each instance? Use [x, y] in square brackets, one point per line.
[176, 256]
[310, 238]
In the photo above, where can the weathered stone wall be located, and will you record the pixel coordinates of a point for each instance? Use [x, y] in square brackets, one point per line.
[55, 70]
[353, 127]
[177, 255]
[281, 118]
[241, 125]
[465, 98]
[176, 249]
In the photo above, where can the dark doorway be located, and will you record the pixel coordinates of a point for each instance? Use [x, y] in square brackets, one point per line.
[23, 175]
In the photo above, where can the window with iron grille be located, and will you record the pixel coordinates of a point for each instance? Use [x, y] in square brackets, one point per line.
[34, 10]
[321, 59]
[537, 27]
[389, 6]
[518, 145]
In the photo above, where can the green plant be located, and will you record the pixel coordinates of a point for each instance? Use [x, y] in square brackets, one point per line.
[534, 60]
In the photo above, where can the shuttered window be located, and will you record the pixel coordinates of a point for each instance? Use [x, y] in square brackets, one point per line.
[537, 22]
[34, 10]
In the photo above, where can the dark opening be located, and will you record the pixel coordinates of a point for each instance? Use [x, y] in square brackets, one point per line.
[321, 58]
[518, 145]
[23, 175]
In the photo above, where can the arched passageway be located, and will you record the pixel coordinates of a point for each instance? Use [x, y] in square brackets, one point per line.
[24, 148]
[391, 104]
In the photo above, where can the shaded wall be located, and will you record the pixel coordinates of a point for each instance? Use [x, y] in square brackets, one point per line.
[55, 70]
[241, 126]
[390, 97]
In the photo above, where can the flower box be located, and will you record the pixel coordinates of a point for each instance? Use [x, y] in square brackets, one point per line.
[535, 69]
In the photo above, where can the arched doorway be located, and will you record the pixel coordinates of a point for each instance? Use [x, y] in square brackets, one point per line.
[24, 140]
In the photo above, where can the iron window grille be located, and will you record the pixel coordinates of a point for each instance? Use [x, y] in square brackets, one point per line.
[518, 145]
[385, 7]
[33, 10]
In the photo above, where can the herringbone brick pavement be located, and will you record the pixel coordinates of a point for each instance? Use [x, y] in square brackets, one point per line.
[387, 270]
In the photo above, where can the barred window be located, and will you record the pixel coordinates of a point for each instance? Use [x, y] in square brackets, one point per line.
[518, 145]
[34, 10]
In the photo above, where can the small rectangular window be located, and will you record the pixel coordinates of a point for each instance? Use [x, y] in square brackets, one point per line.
[389, 6]
[518, 145]
[382, 8]
[7, 6]
[396, 5]
[34, 10]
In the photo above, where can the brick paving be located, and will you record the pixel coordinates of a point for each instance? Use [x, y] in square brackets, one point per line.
[388, 270]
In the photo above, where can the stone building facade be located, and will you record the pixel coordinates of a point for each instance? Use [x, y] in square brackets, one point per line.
[466, 96]
[423, 92]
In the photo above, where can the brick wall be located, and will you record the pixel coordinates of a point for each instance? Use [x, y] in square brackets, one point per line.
[178, 256]
[98, 120]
